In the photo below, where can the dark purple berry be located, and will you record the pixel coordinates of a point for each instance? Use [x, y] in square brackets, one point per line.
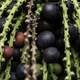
[46, 39]
[51, 55]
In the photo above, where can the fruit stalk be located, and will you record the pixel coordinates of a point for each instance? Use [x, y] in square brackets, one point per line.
[45, 71]
[53, 75]
[33, 26]
[7, 71]
[66, 40]
[6, 26]
[76, 63]
[25, 58]
[16, 26]
[76, 17]
[4, 5]
[12, 37]
[34, 48]
[77, 14]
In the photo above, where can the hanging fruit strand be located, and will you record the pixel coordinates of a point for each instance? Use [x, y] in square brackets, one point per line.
[45, 71]
[76, 65]
[25, 54]
[16, 26]
[4, 5]
[33, 26]
[76, 17]
[12, 37]
[7, 71]
[77, 14]
[66, 40]
[34, 48]
[6, 27]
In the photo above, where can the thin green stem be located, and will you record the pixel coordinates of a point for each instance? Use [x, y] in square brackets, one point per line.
[45, 71]
[76, 63]
[54, 77]
[16, 26]
[7, 71]
[4, 5]
[12, 37]
[66, 40]
[77, 14]
[6, 26]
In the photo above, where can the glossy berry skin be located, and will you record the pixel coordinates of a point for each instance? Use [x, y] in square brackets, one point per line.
[42, 26]
[51, 13]
[45, 39]
[8, 52]
[16, 54]
[13, 76]
[20, 39]
[20, 72]
[51, 55]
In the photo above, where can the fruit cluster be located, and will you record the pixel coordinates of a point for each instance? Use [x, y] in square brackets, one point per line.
[39, 40]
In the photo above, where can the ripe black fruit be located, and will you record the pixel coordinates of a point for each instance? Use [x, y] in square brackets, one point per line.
[51, 55]
[46, 39]
[42, 26]
[13, 76]
[20, 72]
[51, 13]
[16, 54]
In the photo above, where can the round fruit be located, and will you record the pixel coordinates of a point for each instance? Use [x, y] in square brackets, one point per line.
[20, 72]
[56, 68]
[46, 39]
[51, 13]
[20, 38]
[13, 76]
[8, 52]
[16, 54]
[51, 55]
[42, 26]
